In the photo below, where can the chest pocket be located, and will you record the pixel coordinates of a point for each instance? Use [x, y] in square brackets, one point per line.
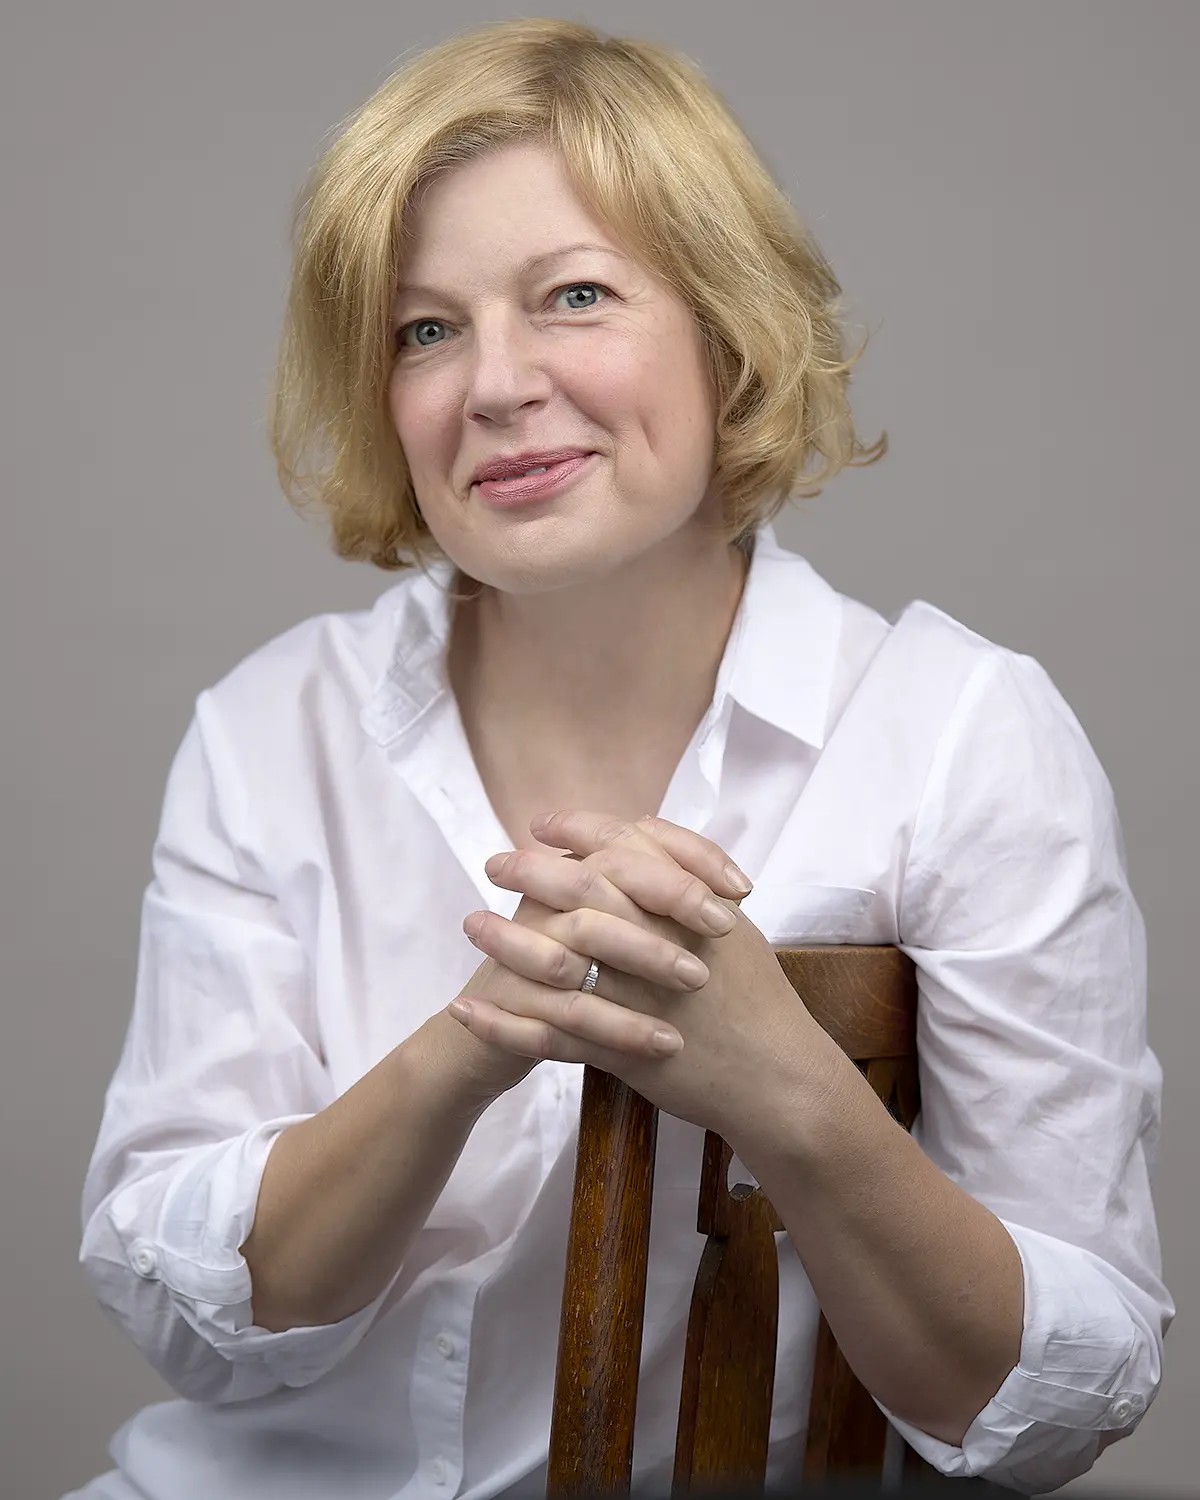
[794, 916]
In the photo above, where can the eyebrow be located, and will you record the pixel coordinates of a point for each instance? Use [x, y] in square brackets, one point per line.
[531, 263]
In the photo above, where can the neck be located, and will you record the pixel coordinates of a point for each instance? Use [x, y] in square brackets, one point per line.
[636, 652]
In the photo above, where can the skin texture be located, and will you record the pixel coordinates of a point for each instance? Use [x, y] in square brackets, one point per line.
[609, 606]
[922, 1286]
[602, 620]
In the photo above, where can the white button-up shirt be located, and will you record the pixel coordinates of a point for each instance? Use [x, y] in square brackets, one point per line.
[323, 835]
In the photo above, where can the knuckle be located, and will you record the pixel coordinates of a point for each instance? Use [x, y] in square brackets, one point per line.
[560, 967]
[578, 928]
[590, 880]
[572, 1002]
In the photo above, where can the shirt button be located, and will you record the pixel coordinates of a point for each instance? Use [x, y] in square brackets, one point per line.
[438, 1470]
[444, 1345]
[144, 1261]
[1125, 1408]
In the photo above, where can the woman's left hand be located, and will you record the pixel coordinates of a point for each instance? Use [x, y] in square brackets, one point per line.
[747, 1037]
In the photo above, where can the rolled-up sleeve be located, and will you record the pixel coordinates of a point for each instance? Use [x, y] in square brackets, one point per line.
[1039, 1093]
[221, 1054]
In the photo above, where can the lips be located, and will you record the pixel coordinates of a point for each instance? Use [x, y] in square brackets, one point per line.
[521, 463]
[526, 489]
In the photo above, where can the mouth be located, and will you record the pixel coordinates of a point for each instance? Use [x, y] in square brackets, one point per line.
[542, 482]
[534, 469]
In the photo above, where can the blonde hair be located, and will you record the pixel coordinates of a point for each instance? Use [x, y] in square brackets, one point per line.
[659, 160]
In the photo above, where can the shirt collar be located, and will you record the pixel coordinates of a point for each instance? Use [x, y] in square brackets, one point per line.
[779, 660]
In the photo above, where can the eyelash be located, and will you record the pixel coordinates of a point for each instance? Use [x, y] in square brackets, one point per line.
[567, 286]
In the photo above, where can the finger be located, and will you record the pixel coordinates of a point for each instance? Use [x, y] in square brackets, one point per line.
[616, 872]
[567, 882]
[701, 856]
[585, 832]
[561, 1024]
[559, 958]
[476, 1016]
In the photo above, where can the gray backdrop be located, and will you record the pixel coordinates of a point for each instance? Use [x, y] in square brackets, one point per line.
[1007, 192]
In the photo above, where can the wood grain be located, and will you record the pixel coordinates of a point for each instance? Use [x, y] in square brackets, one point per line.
[866, 999]
[729, 1358]
[604, 1291]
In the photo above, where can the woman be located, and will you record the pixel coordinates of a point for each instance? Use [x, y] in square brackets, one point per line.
[329, 1199]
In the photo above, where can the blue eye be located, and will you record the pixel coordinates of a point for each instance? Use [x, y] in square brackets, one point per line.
[426, 323]
[575, 285]
[421, 323]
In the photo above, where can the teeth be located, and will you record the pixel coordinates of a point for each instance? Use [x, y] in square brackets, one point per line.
[506, 478]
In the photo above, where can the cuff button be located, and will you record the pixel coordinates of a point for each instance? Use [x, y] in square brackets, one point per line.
[144, 1261]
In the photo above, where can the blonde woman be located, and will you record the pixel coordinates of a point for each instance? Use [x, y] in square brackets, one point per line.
[557, 351]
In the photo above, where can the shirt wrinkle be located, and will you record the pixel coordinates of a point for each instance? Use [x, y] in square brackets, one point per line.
[323, 834]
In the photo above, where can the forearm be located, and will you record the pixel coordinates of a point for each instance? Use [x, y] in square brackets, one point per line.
[921, 1285]
[344, 1193]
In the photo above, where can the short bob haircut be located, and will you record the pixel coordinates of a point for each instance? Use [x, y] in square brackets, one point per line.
[659, 160]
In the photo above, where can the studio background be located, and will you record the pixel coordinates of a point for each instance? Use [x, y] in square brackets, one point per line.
[1007, 194]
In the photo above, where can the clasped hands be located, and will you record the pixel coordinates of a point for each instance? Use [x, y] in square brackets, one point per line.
[702, 1022]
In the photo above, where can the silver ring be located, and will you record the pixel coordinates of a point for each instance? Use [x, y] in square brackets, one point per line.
[593, 974]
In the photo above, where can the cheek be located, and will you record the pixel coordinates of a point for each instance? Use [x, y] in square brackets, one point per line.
[418, 416]
[631, 394]
[677, 413]
[398, 406]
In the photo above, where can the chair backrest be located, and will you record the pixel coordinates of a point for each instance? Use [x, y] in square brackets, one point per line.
[866, 999]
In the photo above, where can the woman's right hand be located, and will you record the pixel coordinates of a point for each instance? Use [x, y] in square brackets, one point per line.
[481, 1071]
[486, 1071]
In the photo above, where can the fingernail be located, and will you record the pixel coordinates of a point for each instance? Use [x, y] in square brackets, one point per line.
[667, 1041]
[692, 971]
[460, 1010]
[740, 882]
[719, 918]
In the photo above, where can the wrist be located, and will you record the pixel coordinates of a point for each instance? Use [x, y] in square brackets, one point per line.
[800, 1102]
[467, 1074]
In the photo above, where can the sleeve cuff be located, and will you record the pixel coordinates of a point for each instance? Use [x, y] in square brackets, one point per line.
[206, 1213]
[1089, 1367]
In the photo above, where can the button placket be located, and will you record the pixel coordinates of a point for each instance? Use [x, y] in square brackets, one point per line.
[439, 1386]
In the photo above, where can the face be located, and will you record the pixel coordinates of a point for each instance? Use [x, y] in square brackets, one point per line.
[581, 348]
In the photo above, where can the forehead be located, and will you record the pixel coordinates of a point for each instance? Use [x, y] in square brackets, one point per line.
[510, 212]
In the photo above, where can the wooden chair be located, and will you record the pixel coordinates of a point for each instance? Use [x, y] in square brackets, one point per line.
[866, 999]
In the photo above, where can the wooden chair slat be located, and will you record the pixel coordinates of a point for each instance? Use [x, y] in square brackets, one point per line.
[729, 1358]
[847, 1432]
[866, 999]
[604, 1291]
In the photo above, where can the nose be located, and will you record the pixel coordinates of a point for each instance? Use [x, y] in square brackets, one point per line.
[507, 370]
